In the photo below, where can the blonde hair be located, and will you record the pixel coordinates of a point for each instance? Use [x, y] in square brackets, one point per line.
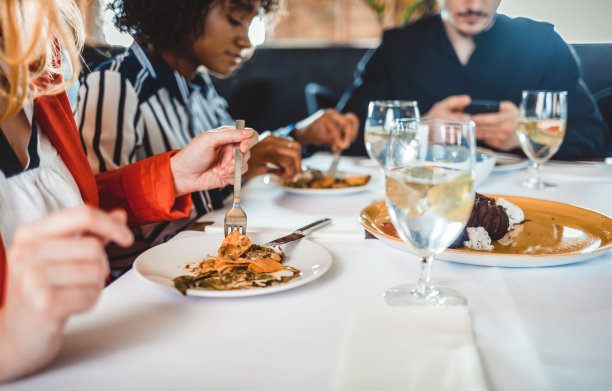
[32, 33]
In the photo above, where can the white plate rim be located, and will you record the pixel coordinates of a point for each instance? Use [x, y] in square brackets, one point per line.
[319, 265]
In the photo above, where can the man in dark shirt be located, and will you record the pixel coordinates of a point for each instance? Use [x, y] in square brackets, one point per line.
[470, 52]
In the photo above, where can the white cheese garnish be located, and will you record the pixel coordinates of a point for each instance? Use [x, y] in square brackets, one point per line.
[479, 239]
[515, 214]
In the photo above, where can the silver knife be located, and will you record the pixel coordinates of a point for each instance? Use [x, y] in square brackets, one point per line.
[334, 164]
[299, 233]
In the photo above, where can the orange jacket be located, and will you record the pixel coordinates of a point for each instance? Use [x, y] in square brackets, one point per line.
[144, 189]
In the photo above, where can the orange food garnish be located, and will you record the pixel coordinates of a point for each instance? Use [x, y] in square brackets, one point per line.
[550, 125]
[261, 265]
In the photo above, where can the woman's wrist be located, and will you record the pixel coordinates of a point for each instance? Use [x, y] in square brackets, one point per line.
[177, 176]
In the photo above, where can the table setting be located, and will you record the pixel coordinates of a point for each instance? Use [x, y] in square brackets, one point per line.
[483, 320]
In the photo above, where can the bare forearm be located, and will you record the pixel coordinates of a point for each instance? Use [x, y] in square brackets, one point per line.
[21, 352]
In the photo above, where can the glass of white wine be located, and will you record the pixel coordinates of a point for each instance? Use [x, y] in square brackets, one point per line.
[381, 116]
[429, 194]
[541, 129]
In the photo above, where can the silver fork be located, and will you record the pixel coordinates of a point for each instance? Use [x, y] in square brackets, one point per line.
[235, 218]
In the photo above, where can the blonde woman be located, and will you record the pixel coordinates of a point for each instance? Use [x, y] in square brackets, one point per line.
[54, 234]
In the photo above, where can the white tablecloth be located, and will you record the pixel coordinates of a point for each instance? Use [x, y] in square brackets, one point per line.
[535, 329]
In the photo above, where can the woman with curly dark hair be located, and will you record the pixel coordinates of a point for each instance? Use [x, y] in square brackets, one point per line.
[159, 94]
[171, 25]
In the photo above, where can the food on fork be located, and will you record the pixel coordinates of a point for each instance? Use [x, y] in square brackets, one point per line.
[315, 179]
[239, 264]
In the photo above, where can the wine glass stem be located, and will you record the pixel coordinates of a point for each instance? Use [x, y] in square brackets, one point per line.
[538, 172]
[424, 276]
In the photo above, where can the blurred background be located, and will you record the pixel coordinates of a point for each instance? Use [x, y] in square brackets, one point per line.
[306, 56]
[308, 22]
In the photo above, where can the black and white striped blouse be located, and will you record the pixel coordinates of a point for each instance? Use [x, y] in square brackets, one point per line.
[136, 106]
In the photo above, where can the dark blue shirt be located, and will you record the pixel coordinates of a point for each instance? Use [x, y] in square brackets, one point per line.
[418, 62]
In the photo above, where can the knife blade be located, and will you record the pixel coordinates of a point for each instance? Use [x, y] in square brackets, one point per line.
[299, 233]
[334, 164]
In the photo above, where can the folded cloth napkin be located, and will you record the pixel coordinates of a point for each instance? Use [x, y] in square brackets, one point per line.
[339, 229]
[410, 348]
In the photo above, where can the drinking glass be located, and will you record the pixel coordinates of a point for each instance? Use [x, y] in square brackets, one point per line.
[380, 119]
[429, 195]
[541, 128]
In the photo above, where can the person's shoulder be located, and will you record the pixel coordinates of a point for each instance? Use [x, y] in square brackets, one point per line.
[534, 38]
[525, 26]
[133, 67]
[126, 66]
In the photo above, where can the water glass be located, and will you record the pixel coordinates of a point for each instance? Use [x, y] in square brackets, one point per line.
[381, 117]
[429, 196]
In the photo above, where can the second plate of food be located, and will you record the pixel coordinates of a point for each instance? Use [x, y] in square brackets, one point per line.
[553, 234]
[343, 182]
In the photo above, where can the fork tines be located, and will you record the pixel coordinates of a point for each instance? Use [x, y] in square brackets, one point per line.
[235, 223]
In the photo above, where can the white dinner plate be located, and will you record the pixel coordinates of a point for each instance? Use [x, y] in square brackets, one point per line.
[372, 184]
[160, 264]
[509, 162]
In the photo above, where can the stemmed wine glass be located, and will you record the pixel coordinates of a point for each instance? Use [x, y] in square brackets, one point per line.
[381, 116]
[541, 128]
[429, 194]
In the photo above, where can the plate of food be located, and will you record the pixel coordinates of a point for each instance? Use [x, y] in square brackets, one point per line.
[509, 162]
[550, 233]
[212, 265]
[316, 182]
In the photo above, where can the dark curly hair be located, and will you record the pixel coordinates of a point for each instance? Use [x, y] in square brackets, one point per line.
[172, 24]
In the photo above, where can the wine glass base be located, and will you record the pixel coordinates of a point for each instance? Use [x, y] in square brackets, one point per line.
[435, 295]
[539, 185]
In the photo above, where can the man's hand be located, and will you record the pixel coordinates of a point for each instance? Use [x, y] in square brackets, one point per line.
[450, 108]
[207, 162]
[275, 155]
[56, 268]
[328, 127]
[498, 130]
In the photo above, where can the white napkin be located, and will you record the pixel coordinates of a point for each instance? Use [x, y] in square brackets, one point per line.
[339, 229]
[410, 348]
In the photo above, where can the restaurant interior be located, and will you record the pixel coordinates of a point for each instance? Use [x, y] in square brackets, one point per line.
[362, 300]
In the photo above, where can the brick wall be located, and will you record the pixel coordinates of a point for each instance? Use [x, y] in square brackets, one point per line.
[337, 21]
